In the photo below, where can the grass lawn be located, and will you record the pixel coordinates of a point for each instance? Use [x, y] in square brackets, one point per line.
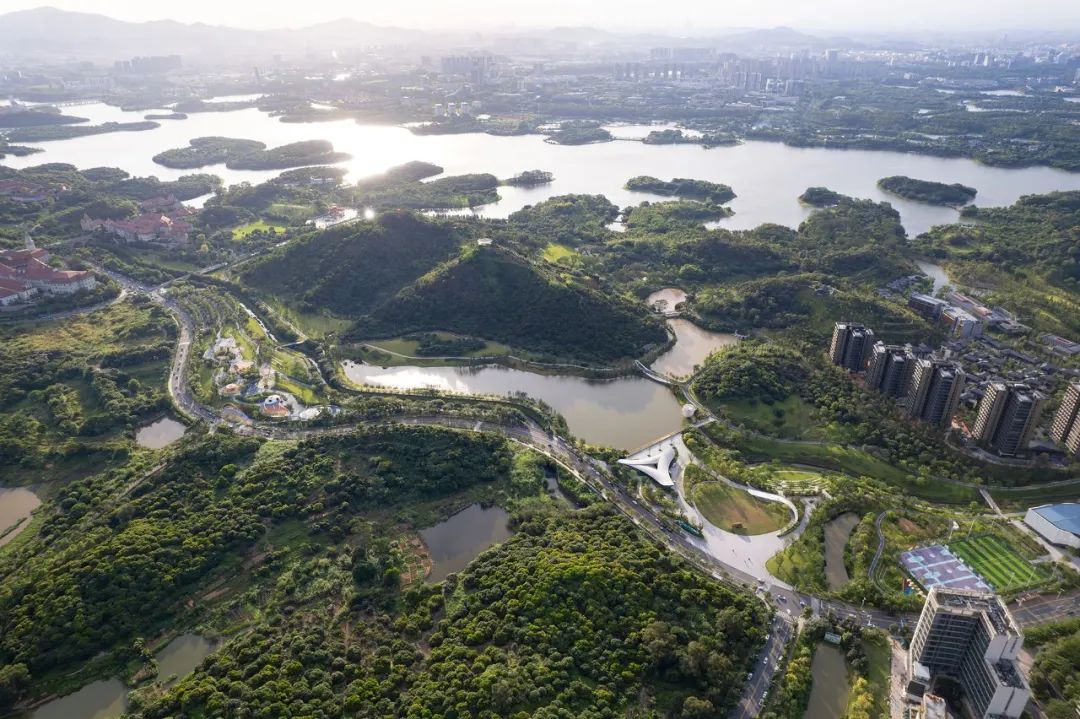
[291, 364]
[555, 252]
[998, 563]
[801, 564]
[302, 392]
[858, 463]
[406, 346]
[243, 231]
[734, 510]
[311, 324]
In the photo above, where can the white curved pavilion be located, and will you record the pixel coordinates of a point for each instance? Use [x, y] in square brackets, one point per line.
[657, 467]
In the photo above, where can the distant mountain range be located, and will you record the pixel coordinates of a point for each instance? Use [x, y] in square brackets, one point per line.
[59, 34]
[62, 34]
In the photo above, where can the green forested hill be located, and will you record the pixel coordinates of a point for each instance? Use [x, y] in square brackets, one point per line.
[348, 270]
[494, 294]
[1026, 257]
[573, 617]
[119, 552]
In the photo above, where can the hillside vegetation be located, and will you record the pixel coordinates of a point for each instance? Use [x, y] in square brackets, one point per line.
[575, 616]
[349, 270]
[492, 293]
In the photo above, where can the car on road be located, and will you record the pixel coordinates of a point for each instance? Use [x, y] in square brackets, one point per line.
[750, 676]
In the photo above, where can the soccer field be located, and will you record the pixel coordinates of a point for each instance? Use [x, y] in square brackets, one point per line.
[998, 563]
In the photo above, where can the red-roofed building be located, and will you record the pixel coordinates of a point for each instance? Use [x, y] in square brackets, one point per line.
[168, 205]
[15, 292]
[19, 258]
[23, 273]
[149, 227]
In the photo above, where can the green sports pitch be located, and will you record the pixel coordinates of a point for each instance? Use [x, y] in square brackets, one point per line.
[998, 563]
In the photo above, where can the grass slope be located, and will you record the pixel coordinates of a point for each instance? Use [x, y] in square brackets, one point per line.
[734, 510]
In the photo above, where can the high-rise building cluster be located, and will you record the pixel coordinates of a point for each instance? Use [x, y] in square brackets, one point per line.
[1065, 429]
[930, 389]
[851, 345]
[1007, 416]
[971, 638]
[927, 388]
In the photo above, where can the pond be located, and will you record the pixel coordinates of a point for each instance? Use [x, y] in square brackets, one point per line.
[694, 345]
[107, 698]
[453, 543]
[182, 655]
[160, 434]
[837, 533]
[16, 504]
[671, 297]
[829, 694]
[767, 176]
[936, 273]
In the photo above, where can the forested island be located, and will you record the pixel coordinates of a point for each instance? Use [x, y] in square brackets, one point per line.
[820, 197]
[166, 116]
[310, 152]
[932, 193]
[238, 154]
[203, 151]
[529, 178]
[17, 150]
[682, 187]
[37, 118]
[678, 137]
[46, 133]
[579, 133]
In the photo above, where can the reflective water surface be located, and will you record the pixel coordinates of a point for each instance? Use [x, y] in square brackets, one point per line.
[454, 543]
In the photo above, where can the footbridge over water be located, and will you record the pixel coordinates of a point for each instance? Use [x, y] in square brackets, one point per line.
[654, 375]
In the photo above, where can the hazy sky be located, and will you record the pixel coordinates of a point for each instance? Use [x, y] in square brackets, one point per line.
[690, 16]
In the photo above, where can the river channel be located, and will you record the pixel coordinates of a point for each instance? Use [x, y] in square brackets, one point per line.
[768, 177]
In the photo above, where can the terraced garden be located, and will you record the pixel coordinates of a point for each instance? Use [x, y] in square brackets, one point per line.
[998, 563]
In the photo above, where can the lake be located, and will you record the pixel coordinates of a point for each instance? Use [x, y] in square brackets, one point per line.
[160, 434]
[767, 176]
[16, 504]
[829, 693]
[623, 413]
[836, 538]
[453, 543]
[107, 698]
